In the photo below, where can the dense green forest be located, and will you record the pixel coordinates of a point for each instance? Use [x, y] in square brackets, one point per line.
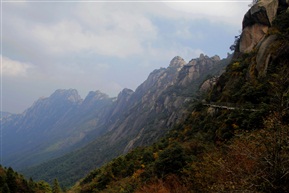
[12, 182]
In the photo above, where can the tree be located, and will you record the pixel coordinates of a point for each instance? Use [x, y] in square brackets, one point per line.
[171, 160]
[11, 180]
[258, 162]
[279, 86]
[56, 187]
[235, 46]
[275, 164]
[5, 188]
[44, 186]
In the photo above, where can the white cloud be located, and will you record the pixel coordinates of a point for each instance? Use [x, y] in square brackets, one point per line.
[226, 12]
[109, 29]
[14, 68]
[101, 28]
[93, 45]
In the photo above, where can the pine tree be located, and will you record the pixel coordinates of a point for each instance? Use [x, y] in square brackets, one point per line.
[5, 188]
[56, 187]
[11, 180]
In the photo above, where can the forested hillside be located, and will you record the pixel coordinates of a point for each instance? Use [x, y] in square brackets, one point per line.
[12, 182]
[137, 118]
[236, 137]
[192, 127]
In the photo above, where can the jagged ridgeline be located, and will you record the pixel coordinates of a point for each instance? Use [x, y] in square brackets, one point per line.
[53, 126]
[63, 122]
[235, 139]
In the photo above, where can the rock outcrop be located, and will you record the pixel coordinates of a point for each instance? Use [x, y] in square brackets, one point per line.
[250, 76]
[264, 55]
[197, 67]
[208, 84]
[93, 97]
[177, 62]
[256, 23]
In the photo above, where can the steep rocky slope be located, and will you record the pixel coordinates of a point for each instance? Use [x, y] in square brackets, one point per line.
[158, 103]
[137, 118]
[234, 140]
[255, 63]
[52, 126]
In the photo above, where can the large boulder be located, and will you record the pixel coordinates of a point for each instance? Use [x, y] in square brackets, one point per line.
[251, 36]
[208, 84]
[262, 12]
[256, 23]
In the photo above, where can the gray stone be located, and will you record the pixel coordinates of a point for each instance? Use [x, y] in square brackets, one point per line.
[252, 35]
[256, 23]
[263, 55]
[177, 62]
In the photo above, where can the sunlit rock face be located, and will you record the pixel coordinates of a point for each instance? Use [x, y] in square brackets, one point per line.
[256, 23]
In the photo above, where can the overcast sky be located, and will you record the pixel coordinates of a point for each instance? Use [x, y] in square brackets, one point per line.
[102, 45]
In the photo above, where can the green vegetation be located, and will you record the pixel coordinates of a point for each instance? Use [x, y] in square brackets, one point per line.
[281, 22]
[215, 149]
[188, 160]
[149, 117]
[240, 149]
[12, 182]
[56, 187]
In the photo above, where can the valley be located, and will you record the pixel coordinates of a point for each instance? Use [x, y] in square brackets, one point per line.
[207, 125]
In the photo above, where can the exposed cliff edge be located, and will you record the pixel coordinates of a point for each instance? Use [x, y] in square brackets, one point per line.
[249, 77]
[257, 21]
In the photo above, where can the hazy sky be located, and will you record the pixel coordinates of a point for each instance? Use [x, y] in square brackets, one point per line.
[104, 45]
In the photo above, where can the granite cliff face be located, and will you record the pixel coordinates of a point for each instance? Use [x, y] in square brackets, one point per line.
[159, 103]
[260, 33]
[257, 21]
[257, 65]
[136, 118]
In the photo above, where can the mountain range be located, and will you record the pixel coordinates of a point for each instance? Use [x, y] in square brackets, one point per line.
[209, 125]
[235, 138]
[63, 122]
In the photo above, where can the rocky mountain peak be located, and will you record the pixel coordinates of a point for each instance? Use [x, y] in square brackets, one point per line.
[66, 94]
[96, 95]
[93, 98]
[177, 62]
[216, 58]
[202, 57]
[125, 93]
